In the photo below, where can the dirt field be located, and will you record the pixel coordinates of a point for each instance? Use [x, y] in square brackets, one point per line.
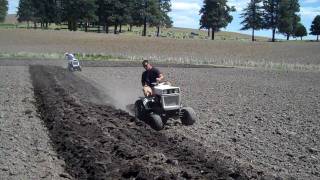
[265, 118]
[252, 124]
[25, 151]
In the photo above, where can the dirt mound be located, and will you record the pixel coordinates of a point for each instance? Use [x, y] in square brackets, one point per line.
[98, 141]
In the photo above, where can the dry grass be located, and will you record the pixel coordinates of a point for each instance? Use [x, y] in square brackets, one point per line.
[185, 33]
[237, 53]
[11, 19]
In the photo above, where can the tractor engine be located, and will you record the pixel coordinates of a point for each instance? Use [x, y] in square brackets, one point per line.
[169, 97]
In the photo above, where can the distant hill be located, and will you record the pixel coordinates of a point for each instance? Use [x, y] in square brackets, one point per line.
[11, 19]
[175, 32]
[186, 33]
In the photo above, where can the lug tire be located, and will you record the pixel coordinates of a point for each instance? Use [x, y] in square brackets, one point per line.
[139, 110]
[156, 122]
[188, 116]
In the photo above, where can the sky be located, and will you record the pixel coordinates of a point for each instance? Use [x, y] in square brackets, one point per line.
[185, 13]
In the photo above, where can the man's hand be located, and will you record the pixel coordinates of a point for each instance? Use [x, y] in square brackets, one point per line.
[160, 78]
[147, 91]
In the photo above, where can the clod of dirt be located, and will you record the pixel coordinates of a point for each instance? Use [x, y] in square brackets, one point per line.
[66, 176]
[172, 161]
[312, 150]
[28, 111]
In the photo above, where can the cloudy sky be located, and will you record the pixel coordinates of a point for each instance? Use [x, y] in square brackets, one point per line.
[185, 13]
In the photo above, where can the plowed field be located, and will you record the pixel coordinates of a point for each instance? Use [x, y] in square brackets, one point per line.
[253, 124]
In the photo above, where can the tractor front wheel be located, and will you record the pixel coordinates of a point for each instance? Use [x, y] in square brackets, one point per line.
[156, 122]
[188, 116]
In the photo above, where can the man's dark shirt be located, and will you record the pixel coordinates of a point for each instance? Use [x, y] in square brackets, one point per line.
[150, 76]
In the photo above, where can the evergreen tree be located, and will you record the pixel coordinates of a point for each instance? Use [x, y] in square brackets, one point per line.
[163, 20]
[104, 12]
[87, 10]
[44, 12]
[78, 11]
[69, 13]
[3, 9]
[120, 14]
[136, 13]
[25, 11]
[151, 14]
[315, 27]
[252, 17]
[215, 14]
[288, 19]
[271, 15]
[142, 13]
[38, 11]
[58, 11]
[300, 31]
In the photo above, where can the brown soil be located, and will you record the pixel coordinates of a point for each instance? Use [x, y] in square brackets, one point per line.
[99, 141]
[252, 124]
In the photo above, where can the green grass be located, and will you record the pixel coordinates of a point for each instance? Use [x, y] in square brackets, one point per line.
[98, 57]
[28, 55]
[225, 63]
[12, 26]
[7, 26]
[58, 56]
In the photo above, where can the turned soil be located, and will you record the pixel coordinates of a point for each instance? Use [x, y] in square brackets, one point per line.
[98, 141]
[252, 124]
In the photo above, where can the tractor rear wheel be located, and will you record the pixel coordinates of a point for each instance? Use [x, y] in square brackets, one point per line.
[139, 110]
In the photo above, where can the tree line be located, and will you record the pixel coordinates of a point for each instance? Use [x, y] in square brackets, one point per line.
[280, 16]
[3, 9]
[103, 13]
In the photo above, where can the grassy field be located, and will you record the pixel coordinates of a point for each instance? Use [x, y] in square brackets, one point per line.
[11, 19]
[51, 44]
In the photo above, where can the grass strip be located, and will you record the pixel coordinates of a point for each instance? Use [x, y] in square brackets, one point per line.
[224, 63]
[58, 56]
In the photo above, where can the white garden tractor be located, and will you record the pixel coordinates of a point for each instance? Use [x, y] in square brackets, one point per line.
[74, 65]
[165, 103]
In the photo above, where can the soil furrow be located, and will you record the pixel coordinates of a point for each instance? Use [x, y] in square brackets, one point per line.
[98, 141]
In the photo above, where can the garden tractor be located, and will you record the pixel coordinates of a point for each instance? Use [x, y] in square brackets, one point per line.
[165, 103]
[74, 65]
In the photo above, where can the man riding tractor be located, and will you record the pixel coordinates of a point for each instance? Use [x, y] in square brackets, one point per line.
[149, 78]
[73, 63]
[161, 101]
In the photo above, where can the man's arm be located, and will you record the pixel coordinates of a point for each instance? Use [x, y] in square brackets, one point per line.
[143, 82]
[160, 78]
